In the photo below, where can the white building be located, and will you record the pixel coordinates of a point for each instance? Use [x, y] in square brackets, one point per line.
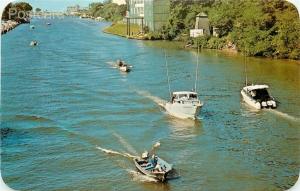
[119, 2]
[136, 8]
[73, 10]
[201, 26]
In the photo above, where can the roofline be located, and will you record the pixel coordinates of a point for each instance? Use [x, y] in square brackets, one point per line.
[255, 87]
[184, 92]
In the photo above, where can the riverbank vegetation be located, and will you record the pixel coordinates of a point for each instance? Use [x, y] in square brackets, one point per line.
[120, 29]
[107, 10]
[13, 15]
[17, 11]
[267, 28]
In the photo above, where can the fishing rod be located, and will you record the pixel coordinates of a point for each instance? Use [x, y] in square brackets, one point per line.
[196, 78]
[166, 61]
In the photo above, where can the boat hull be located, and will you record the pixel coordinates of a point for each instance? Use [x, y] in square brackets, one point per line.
[183, 111]
[125, 69]
[257, 105]
[158, 176]
[249, 101]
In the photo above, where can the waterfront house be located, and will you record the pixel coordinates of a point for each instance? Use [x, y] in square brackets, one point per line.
[201, 26]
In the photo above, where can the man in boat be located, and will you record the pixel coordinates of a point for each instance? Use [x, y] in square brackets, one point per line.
[158, 168]
[120, 63]
[173, 98]
[153, 160]
[145, 155]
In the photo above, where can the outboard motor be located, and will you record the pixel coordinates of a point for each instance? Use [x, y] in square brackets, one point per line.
[264, 104]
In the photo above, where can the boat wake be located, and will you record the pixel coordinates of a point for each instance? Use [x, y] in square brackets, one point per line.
[125, 143]
[112, 64]
[108, 151]
[285, 115]
[155, 99]
[136, 176]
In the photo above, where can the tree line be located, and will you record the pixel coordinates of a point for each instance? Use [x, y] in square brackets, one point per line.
[107, 10]
[18, 11]
[269, 28]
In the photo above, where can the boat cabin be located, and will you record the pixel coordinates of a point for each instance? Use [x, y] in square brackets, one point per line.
[258, 96]
[184, 96]
[258, 92]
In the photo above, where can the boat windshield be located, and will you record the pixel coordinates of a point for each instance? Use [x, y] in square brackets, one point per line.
[193, 96]
[182, 96]
[260, 94]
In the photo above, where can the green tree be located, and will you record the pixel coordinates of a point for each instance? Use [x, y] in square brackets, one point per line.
[5, 15]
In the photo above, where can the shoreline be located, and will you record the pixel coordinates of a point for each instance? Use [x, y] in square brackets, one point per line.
[120, 27]
[9, 25]
[191, 48]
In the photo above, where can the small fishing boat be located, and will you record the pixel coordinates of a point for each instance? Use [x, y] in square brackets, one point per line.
[123, 66]
[184, 105]
[33, 43]
[153, 166]
[258, 97]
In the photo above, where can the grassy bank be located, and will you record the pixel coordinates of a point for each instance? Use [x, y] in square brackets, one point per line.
[120, 29]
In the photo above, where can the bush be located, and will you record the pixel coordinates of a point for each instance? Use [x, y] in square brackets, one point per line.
[154, 36]
[201, 41]
[216, 43]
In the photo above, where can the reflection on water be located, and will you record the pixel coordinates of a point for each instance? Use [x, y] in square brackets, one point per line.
[184, 128]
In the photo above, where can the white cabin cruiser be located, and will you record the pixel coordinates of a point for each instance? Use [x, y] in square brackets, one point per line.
[184, 105]
[258, 97]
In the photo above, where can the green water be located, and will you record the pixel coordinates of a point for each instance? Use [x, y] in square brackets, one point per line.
[62, 100]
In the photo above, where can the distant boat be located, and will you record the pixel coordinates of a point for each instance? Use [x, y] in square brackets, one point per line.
[33, 43]
[257, 96]
[32, 27]
[153, 167]
[99, 19]
[123, 66]
[183, 104]
[48, 23]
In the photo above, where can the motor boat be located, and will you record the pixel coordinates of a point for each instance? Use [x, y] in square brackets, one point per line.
[123, 66]
[48, 23]
[258, 97]
[32, 27]
[33, 43]
[153, 166]
[184, 105]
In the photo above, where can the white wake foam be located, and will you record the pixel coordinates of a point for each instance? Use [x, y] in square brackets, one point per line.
[108, 151]
[156, 99]
[285, 115]
[125, 143]
[136, 176]
[112, 64]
